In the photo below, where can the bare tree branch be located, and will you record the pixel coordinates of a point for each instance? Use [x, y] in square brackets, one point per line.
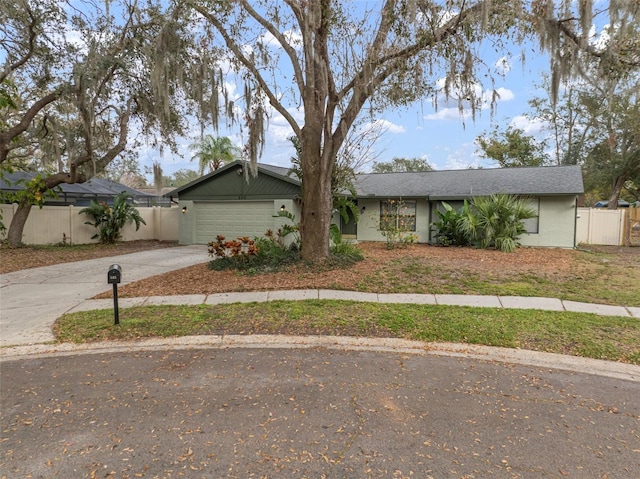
[31, 27]
[8, 135]
[249, 65]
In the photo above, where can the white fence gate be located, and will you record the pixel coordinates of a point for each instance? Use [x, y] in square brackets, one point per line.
[600, 226]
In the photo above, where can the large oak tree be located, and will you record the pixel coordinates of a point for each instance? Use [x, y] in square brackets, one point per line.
[79, 79]
[321, 64]
[596, 121]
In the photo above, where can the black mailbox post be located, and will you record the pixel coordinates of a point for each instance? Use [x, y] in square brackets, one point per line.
[114, 276]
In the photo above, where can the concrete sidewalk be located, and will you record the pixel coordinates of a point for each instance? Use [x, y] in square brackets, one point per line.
[507, 302]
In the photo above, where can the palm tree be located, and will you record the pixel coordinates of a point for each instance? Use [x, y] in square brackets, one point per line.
[110, 220]
[497, 220]
[212, 153]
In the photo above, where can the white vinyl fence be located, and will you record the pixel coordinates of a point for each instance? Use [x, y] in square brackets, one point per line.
[601, 226]
[55, 224]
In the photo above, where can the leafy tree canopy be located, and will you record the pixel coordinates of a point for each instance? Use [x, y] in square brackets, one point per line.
[181, 177]
[595, 121]
[322, 64]
[511, 147]
[398, 165]
[77, 88]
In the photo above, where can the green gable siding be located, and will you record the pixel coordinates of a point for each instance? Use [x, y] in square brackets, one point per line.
[229, 185]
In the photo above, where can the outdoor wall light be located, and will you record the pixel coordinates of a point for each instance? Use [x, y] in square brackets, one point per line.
[184, 210]
[240, 171]
[283, 208]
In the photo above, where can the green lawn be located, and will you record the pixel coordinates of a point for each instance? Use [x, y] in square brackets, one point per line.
[611, 338]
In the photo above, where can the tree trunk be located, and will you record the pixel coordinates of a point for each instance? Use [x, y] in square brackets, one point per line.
[316, 220]
[615, 193]
[316, 193]
[14, 236]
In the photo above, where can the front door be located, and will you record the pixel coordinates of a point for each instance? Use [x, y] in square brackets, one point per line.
[349, 229]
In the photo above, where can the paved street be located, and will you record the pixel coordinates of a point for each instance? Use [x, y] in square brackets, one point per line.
[276, 412]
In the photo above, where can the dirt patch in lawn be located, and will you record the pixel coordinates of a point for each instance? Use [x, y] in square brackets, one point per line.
[386, 266]
[565, 273]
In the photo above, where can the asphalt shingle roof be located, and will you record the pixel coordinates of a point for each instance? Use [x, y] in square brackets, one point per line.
[451, 184]
[549, 180]
[93, 187]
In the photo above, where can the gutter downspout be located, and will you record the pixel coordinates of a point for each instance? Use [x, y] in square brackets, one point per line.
[575, 222]
[430, 220]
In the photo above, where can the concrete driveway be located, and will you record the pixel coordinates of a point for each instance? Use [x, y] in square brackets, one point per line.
[31, 300]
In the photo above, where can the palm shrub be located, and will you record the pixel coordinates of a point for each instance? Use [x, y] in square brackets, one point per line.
[109, 221]
[496, 220]
[342, 252]
[449, 225]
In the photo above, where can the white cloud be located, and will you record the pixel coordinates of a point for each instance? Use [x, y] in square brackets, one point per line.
[600, 42]
[293, 38]
[457, 104]
[449, 114]
[279, 129]
[530, 126]
[503, 65]
[455, 94]
[463, 157]
[504, 94]
[386, 126]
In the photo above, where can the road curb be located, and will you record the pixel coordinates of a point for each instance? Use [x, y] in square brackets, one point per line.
[595, 367]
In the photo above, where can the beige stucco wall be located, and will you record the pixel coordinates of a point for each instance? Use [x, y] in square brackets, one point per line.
[556, 227]
[50, 224]
[370, 218]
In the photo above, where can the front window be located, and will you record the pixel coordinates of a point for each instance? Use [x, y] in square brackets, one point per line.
[532, 224]
[398, 215]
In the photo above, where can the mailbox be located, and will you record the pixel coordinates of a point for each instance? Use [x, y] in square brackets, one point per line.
[114, 276]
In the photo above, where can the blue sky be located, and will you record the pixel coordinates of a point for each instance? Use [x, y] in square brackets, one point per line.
[443, 136]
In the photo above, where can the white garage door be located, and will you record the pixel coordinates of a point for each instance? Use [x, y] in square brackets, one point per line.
[232, 219]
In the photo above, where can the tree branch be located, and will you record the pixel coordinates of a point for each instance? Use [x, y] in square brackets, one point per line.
[7, 136]
[426, 41]
[576, 40]
[290, 51]
[365, 82]
[25, 58]
[237, 51]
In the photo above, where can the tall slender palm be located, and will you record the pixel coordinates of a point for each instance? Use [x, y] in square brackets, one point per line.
[212, 153]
